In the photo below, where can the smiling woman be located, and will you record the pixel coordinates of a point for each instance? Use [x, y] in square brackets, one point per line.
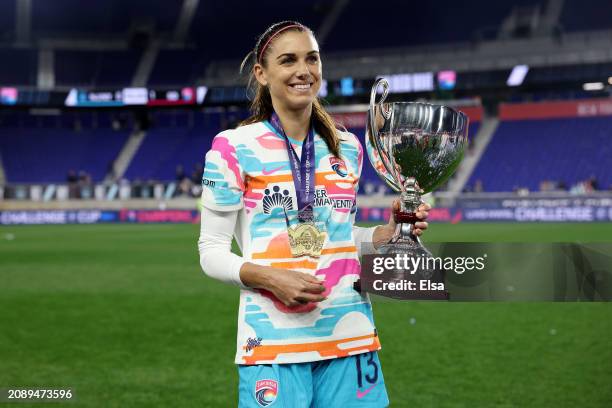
[284, 183]
[285, 76]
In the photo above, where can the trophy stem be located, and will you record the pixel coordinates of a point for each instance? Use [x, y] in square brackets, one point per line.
[410, 199]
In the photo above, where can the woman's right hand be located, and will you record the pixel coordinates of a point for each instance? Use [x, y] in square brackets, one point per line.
[293, 288]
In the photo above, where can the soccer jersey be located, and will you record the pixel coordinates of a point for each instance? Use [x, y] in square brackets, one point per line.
[248, 169]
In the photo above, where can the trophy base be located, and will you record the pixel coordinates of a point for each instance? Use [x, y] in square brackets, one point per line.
[411, 249]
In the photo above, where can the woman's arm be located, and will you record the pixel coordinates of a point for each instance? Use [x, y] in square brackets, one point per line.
[290, 287]
[215, 244]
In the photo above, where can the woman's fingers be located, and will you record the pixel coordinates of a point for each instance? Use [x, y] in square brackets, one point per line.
[310, 278]
[421, 225]
[310, 297]
[314, 287]
[422, 215]
[424, 207]
[300, 288]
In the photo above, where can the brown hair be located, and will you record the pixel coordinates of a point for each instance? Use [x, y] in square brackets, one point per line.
[261, 102]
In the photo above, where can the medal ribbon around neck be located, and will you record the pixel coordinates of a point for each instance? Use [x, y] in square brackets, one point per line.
[302, 169]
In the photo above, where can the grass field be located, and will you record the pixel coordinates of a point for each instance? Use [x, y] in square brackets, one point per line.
[124, 316]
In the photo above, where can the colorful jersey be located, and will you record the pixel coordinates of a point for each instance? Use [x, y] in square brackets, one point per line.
[247, 169]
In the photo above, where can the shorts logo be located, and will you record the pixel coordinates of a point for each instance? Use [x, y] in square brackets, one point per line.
[266, 392]
[338, 166]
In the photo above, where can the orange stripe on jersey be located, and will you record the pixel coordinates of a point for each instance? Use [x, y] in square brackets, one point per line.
[338, 250]
[332, 185]
[320, 176]
[326, 349]
[278, 248]
[261, 181]
[304, 264]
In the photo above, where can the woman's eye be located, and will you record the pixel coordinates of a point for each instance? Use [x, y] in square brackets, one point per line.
[286, 61]
[313, 58]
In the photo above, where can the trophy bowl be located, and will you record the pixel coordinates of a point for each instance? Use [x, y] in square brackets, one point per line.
[414, 147]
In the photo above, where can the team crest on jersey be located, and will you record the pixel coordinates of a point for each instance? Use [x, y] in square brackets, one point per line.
[266, 392]
[273, 199]
[338, 166]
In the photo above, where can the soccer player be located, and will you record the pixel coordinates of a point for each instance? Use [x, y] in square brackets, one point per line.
[284, 183]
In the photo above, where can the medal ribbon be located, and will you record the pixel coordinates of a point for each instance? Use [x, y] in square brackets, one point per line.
[302, 169]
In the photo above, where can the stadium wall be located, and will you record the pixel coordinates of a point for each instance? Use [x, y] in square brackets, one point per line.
[561, 109]
[501, 208]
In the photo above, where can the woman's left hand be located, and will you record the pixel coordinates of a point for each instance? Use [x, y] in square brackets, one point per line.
[384, 233]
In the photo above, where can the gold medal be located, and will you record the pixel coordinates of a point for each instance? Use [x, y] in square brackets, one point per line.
[306, 239]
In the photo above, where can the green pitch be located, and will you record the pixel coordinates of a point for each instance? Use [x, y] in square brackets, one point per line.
[124, 316]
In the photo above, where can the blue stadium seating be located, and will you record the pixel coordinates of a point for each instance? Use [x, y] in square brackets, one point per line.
[176, 138]
[527, 152]
[45, 148]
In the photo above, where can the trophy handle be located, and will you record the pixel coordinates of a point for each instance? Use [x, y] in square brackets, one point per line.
[385, 84]
[373, 127]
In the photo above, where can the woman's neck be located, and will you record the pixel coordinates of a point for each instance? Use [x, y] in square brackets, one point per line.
[296, 123]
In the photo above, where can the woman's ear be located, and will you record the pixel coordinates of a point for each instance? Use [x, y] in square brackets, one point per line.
[260, 75]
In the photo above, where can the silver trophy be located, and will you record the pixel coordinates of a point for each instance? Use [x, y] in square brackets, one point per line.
[414, 148]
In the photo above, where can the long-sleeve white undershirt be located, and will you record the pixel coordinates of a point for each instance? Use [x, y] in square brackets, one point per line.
[215, 244]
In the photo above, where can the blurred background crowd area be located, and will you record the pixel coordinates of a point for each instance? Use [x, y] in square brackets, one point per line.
[118, 100]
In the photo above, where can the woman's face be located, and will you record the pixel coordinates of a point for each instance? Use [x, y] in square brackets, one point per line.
[293, 70]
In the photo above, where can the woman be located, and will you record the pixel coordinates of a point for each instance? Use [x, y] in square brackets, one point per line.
[284, 183]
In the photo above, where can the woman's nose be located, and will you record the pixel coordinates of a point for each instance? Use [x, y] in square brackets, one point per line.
[302, 69]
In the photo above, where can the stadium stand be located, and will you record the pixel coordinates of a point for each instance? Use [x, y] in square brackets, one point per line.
[175, 139]
[180, 138]
[566, 151]
[44, 149]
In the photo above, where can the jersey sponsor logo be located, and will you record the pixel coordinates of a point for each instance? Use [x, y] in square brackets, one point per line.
[207, 182]
[275, 199]
[321, 200]
[338, 166]
[266, 392]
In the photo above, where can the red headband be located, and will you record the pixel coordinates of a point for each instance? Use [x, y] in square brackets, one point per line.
[274, 35]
